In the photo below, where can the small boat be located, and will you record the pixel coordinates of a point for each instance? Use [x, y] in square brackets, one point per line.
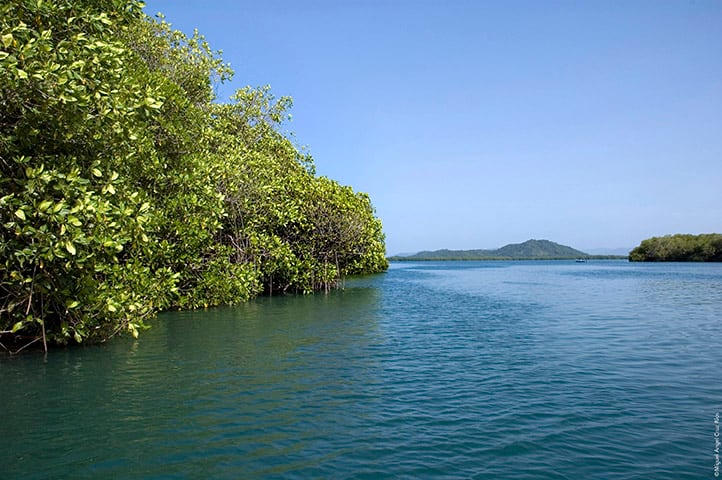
[581, 260]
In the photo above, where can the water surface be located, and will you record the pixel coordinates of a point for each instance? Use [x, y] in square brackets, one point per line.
[485, 370]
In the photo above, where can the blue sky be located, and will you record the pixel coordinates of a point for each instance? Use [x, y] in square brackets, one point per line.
[473, 124]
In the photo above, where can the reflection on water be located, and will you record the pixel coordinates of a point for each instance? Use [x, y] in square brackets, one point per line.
[432, 370]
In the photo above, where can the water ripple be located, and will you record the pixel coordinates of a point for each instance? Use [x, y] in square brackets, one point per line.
[519, 370]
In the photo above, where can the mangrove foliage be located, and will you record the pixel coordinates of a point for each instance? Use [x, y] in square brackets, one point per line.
[126, 188]
[706, 247]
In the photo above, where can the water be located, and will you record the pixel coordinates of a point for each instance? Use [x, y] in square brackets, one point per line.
[485, 370]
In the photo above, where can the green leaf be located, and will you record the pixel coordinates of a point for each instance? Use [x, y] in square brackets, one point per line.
[20, 214]
[7, 39]
[97, 172]
[70, 247]
[77, 337]
[17, 326]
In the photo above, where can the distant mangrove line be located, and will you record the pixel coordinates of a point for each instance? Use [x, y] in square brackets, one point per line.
[706, 247]
[126, 189]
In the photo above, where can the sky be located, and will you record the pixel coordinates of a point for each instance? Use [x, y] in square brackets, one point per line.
[475, 124]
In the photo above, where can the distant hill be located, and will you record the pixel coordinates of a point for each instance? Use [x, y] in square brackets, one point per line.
[529, 250]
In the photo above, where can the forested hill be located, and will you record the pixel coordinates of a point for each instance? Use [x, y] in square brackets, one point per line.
[126, 188]
[531, 249]
[679, 248]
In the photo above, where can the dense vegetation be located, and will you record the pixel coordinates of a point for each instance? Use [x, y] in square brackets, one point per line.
[529, 250]
[126, 189]
[679, 248]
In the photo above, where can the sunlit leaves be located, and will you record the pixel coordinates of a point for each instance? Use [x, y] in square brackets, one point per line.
[69, 104]
[70, 247]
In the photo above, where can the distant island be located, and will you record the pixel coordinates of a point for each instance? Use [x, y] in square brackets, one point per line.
[529, 250]
[706, 247]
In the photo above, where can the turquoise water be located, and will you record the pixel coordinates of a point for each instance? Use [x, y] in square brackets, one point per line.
[485, 370]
